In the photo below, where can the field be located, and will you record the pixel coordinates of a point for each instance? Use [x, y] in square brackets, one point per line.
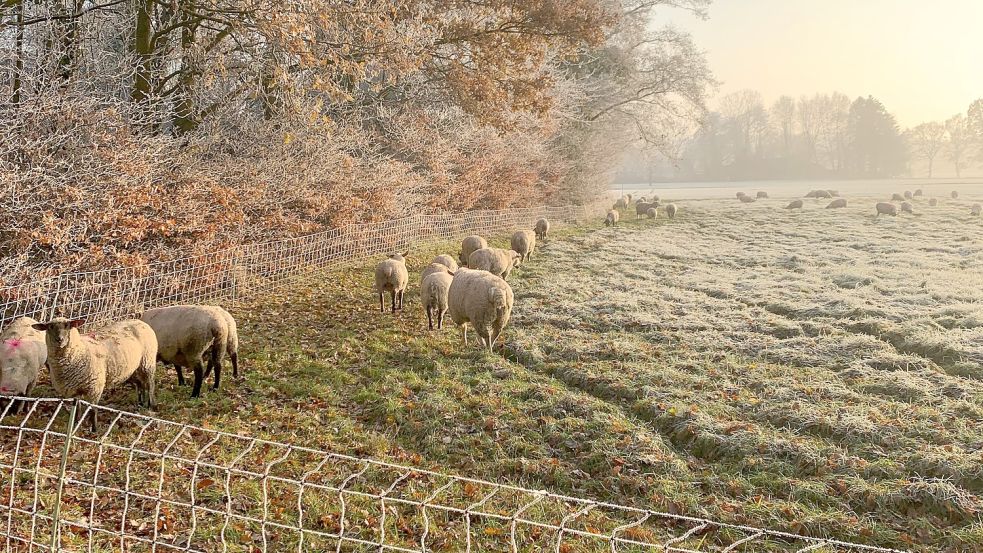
[811, 371]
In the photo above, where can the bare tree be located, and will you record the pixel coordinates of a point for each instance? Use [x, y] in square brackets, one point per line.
[960, 139]
[783, 116]
[927, 140]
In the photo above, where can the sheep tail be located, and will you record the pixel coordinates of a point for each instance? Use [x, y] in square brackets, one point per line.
[496, 297]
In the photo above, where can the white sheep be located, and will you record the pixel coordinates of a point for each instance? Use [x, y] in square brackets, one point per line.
[976, 210]
[496, 261]
[906, 208]
[897, 197]
[933, 202]
[542, 228]
[391, 276]
[919, 193]
[524, 242]
[642, 208]
[837, 203]
[654, 199]
[762, 194]
[795, 204]
[671, 210]
[622, 203]
[23, 354]
[955, 195]
[612, 218]
[885, 208]
[85, 366]
[446, 260]
[469, 245]
[652, 212]
[482, 300]
[908, 195]
[747, 199]
[433, 293]
[188, 334]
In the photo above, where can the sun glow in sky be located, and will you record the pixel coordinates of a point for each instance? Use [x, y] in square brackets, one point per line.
[923, 60]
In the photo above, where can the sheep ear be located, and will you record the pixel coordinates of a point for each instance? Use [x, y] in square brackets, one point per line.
[450, 272]
[75, 323]
[43, 327]
[407, 254]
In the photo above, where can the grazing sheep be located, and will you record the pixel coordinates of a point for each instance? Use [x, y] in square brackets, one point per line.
[524, 242]
[446, 261]
[542, 228]
[823, 194]
[641, 208]
[622, 203]
[885, 208]
[740, 195]
[906, 208]
[470, 244]
[812, 194]
[976, 210]
[671, 210]
[496, 261]
[483, 300]
[612, 218]
[918, 193]
[795, 204]
[85, 367]
[837, 203]
[655, 199]
[897, 198]
[762, 194]
[955, 195]
[908, 195]
[433, 293]
[628, 197]
[232, 347]
[652, 213]
[933, 202]
[186, 334]
[391, 276]
[747, 199]
[22, 355]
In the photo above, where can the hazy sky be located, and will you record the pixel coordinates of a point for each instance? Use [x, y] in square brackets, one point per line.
[922, 59]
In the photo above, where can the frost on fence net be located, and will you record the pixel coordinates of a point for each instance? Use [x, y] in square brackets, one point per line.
[144, 484]
[113, 294]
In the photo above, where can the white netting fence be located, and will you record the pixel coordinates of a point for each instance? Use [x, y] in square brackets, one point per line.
[144, 484]
[240, 271]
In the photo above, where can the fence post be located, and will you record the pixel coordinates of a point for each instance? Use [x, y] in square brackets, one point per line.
[56, 516]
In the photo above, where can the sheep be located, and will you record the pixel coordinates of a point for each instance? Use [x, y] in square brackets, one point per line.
[955, 195]
[918, 193]
[524, 242]
[885, 208]
[908, 195]
[976, 210]
[496, 261]
[445, 260]
[795, 204]
[391, 276]
[542, 228]
[483, 300]
[232, 347]
[823, 194]
[897, 197]
[22, 355]
[655, 199]
[612, 218]
[186, 334]
[85, 366]
[671, 210]
[622, 203]
[470, 244]
[762, 194]
[628, 197]
[933, 202]
[433, 293]
[837, 203]
[906, 208]
[641, 208]
[747, 199]
[740, 195]
[812, 194]
[432, 269]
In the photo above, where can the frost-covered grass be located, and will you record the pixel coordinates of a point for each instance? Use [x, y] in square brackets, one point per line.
[814, 371]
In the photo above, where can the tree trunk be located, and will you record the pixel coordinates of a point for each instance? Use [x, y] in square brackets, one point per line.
[19, 52]
[143, 48]
[185, 119]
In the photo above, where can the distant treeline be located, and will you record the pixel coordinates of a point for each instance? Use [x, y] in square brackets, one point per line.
[823, 136]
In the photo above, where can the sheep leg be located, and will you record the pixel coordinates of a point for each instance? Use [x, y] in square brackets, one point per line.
[234, 356]
[393, 303]
[401, 294]
[180, 375]
[382, 303]
[440, 319]
[199, 376]
[464, 333]
[218, 376]
[430, 318]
